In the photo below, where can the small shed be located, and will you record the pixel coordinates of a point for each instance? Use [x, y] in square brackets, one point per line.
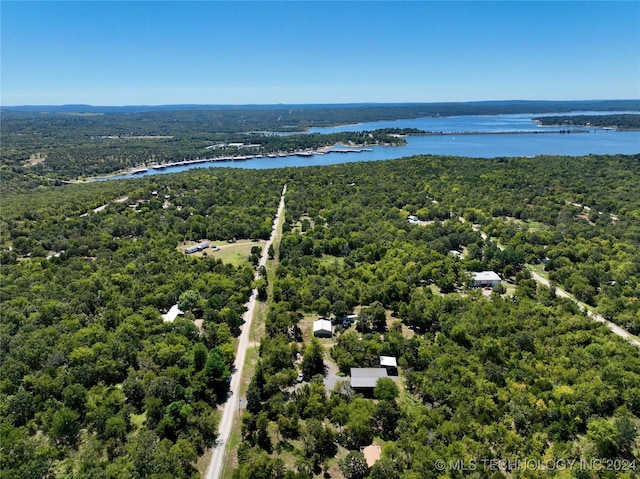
[484, 278]
[366, 378]
[322, 328]
[172, 314]
[390, 363]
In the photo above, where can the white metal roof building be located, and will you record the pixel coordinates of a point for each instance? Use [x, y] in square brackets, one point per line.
[388, 362]
[172, 314]
[485, 278]
[322, 328]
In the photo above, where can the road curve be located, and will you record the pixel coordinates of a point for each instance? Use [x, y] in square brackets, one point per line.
[224, 428]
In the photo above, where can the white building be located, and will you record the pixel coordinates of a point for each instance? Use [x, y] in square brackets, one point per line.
[484, 278]
[388, 362]
[322, 328]
[172, 314]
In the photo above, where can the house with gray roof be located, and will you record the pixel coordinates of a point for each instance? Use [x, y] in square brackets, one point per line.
[366, 378]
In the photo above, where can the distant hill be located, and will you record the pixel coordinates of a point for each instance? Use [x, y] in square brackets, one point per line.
[426, 109]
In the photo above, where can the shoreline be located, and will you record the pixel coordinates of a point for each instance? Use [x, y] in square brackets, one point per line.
[518, 132]
[590, 127]
[337, 148]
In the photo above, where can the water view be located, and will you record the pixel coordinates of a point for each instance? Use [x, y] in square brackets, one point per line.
[487, 143]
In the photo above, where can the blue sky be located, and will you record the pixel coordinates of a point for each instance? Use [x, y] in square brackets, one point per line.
[240, 52]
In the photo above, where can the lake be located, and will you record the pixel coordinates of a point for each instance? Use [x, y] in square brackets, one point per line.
[489, 145]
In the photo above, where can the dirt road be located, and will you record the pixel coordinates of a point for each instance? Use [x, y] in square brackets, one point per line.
[615, 329]
[623, 333]
[224, 429]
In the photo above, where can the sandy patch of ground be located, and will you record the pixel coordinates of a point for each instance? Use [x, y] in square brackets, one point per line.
[35, 159]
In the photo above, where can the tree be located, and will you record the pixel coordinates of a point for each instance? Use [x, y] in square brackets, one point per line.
[378, 317]
[64, 427]
[20, 407]
[386, 389]
[254, 403]
[319, 440]
[354, 465]
[499, 288]
[217, 372]
[231, 318]
[384, 468]
[115, 427]
[74, 396]
[339, 309]
[200, 354]
[288, 426]
[261, 285]
[358, 431]
[181, 457]
[256, 464]
[313, 362]
[612, 437]
[134, 391]
[386, 417]
[322, 306]
[143, 451]
[188, 300]
[262, 433]
[447, 283]
[459, 335]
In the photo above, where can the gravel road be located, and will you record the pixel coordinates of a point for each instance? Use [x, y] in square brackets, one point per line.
[224, 429]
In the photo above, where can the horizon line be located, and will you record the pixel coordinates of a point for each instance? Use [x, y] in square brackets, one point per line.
[328, 104]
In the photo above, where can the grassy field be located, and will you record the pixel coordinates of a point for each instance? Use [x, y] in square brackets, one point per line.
[235, 253]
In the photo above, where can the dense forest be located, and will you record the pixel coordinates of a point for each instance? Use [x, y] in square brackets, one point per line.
[619, 121]
[485, 378]
[94, 384]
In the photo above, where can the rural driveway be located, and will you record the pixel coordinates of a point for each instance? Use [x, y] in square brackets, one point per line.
[331, 377]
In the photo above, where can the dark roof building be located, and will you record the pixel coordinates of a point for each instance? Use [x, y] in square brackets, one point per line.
[366, 378]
